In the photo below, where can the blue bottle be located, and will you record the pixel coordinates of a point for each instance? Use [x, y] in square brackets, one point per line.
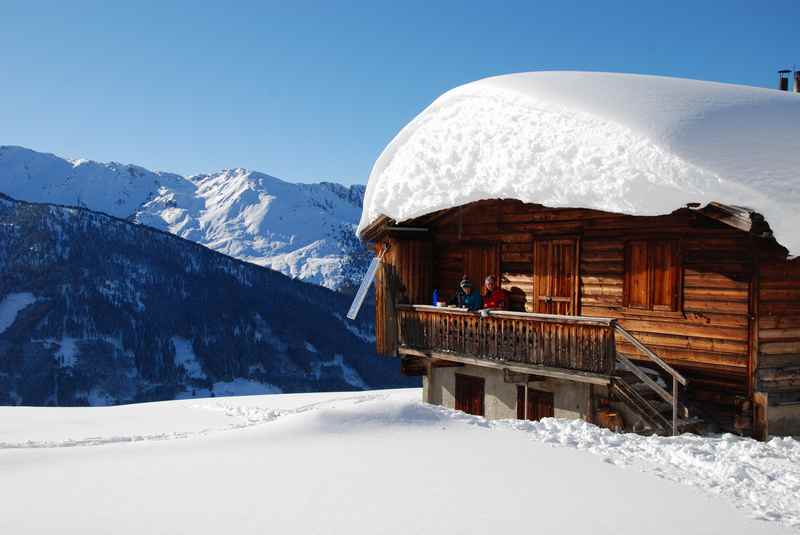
[435, 297]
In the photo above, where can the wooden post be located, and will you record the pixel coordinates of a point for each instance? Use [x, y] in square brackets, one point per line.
[386, 286]
[674, 407]
[429, 380]
[526, 401]
[760, 423]
[590, 403]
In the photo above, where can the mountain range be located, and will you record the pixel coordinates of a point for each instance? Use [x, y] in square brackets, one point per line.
[302, 230]
[98, 310]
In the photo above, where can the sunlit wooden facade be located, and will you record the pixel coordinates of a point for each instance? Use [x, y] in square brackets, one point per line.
[666, 322]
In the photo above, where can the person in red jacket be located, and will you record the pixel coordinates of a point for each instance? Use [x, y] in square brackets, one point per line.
[495, 298]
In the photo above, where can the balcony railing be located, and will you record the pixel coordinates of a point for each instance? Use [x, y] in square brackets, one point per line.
[571, 345]
[576, 343]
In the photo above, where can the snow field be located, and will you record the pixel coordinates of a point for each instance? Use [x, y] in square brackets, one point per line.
[375, 462]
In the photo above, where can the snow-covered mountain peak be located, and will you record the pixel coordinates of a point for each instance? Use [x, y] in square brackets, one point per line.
[294, 228]
[115, 188]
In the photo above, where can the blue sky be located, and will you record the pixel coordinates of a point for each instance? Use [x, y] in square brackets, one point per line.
[308, 91]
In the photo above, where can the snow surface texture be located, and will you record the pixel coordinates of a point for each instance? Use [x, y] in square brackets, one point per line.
[11, 305]
[642, 145]
[341, 463]
[292, 228]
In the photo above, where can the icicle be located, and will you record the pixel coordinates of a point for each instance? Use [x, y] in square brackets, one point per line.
[369, 276]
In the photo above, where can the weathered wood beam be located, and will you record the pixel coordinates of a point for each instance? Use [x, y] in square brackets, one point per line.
[413, 367]
[437, 363]
[739, 217]
[406, 229]
[514, 377]
[532, 316]
[372, 231]
[556, 373]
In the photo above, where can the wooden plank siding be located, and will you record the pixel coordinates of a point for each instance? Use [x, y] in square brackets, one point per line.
[405, 276]
[385, 297]
[730, 322]
[778, 360]
[707, 337]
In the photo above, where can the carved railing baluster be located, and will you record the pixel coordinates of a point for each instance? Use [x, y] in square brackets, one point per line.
[569, 342]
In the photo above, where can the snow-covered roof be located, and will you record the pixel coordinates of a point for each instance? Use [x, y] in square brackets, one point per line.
[626, 143]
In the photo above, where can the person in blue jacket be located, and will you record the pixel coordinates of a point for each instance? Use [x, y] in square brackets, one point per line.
[465, 296]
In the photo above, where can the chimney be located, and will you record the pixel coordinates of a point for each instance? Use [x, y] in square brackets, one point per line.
[783, 79]
[796, 82]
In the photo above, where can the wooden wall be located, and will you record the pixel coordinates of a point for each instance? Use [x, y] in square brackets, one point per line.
[778, 362]
[386, 282]
[405, 275]
[708, 338]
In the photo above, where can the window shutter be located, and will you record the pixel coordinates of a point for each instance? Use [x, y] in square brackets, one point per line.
[637, 275]
[663, 259]
[652, 275]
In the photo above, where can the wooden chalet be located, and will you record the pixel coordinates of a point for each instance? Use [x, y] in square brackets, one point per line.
[682, 322]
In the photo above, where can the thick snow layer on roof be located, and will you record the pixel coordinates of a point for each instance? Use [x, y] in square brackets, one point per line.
[634, 144]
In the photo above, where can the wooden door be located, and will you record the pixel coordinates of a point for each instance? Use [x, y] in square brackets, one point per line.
[469, 394]
[555, 276]
[540, 404]
[481, 261]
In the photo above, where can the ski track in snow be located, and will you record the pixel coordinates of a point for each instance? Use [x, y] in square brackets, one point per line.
[762, 479]
[248, 416]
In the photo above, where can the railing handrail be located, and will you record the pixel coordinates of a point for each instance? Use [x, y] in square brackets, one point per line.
[431, 308]
[649, 354]
[568, 342]
[608, 325]
[533, 316]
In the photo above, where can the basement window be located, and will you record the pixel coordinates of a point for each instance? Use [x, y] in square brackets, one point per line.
[652, 275]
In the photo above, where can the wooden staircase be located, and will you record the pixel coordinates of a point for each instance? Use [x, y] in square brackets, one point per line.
[644, 391]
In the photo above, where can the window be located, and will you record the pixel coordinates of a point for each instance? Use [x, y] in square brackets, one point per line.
[652, 275]
[536, 406]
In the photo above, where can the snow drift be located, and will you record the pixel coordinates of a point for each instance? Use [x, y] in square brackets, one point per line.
[347, 463]
[641, 145]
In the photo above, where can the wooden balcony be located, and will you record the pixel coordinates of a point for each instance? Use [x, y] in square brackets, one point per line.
[575, 346]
